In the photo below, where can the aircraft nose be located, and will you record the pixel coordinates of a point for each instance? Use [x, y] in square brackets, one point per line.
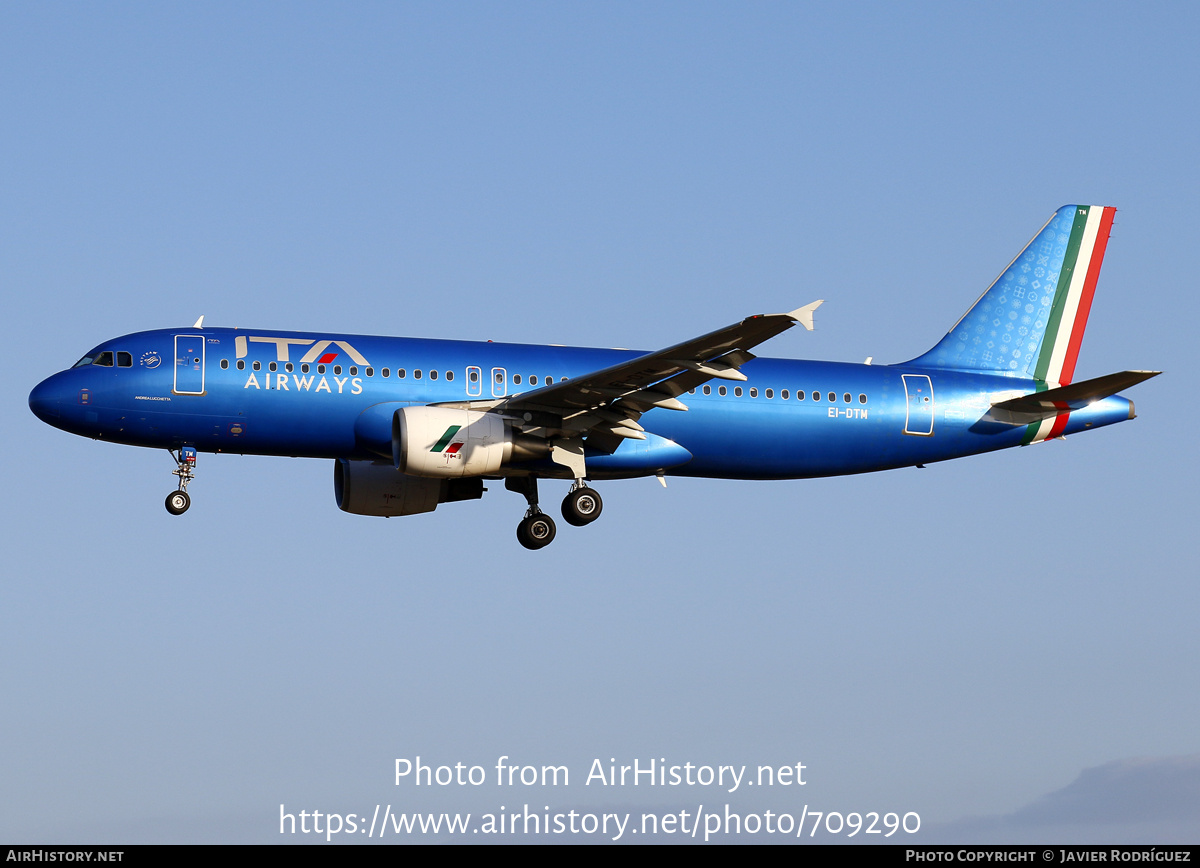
[46, 400]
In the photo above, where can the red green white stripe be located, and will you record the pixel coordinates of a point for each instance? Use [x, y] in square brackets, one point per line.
[1069, 311]
[1073, 295]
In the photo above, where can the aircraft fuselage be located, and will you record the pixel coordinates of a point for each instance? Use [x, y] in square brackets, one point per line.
[788, 419]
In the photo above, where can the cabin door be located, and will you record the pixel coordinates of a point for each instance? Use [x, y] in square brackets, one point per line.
[919, 390]
[189, 365]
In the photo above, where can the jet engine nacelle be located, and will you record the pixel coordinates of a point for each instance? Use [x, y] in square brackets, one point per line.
[445, 443]
[377, 488]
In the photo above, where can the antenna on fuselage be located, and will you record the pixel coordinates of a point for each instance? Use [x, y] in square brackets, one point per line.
[199, 323]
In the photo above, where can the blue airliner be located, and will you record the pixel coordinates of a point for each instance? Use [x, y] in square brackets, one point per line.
[414, 423]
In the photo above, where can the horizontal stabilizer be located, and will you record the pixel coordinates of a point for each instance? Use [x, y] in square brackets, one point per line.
[1053, 402]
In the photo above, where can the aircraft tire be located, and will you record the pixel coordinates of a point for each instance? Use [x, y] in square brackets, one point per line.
[536, 531]
[581, 506]
[178, 502]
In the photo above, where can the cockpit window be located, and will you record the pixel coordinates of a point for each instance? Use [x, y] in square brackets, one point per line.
[124, 360]
[105, 360]
[84, 362]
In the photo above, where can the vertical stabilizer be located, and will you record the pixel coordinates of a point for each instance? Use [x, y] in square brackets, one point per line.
[1030, 321]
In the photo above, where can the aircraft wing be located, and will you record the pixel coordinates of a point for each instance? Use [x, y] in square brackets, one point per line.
[605, 405]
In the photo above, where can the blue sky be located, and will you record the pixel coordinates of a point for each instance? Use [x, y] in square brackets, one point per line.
[980, 642]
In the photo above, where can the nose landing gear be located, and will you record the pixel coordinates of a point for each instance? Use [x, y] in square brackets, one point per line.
[179, 501]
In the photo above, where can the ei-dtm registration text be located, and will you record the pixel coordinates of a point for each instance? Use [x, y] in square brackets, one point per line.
[704, 817]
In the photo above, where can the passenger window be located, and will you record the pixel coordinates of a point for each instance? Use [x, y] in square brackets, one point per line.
[386, 373]
[449, 375]
[370, 372]
[753, 393]
[708, 390]
[433, 375]
[533, 380]
[257, 366]
[846, 398]
[320, 368]
[737, 391]
[337, 370]
[771, 393]
[816, 396]
[104, 360]
[784, 394]
[224, 364]
[862, 399]
[517, 379]
[401, 373]
[274, 367]
[241, 364]
[473, 376]
[721, 391]
[304, 369]
[417, 374]
[353, 371]
[288, 367]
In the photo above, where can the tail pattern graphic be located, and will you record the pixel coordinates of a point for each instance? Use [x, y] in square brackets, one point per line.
[1030, 321]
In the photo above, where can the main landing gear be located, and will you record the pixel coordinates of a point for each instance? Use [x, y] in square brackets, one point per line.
[178, 501]
[581, 506]
[536, 530]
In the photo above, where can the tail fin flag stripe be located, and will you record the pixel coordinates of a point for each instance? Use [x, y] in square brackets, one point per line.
[1072, 304]
[1060, 423]
[1038, 431]
[1029, 322]
[1076, 284]
[1046, 429]
[1062, 292]
[1085, 302]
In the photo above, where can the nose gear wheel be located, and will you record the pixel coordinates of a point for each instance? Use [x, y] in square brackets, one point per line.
[178, 502]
